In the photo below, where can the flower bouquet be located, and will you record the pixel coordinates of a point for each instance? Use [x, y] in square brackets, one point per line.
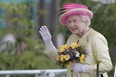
[68, 55]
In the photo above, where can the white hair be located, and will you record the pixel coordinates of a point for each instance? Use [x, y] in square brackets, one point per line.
[85, 19]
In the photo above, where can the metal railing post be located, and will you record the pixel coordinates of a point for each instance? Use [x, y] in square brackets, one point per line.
[115, 71]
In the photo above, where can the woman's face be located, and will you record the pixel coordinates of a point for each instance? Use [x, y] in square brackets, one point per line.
[75, 25]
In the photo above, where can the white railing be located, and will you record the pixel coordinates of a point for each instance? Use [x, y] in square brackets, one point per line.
[37, 73]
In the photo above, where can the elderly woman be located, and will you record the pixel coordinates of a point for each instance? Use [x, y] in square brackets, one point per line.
[77, 18]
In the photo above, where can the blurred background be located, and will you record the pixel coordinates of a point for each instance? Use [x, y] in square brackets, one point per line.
[21, 46]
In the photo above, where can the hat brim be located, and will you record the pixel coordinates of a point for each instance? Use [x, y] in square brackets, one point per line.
[79, 11]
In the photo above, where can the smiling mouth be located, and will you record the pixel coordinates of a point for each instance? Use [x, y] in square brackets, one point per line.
[73, 29]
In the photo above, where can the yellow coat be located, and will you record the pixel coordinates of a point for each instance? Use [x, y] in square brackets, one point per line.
[97, 48]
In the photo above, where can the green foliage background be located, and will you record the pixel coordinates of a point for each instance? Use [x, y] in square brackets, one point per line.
[18, 15]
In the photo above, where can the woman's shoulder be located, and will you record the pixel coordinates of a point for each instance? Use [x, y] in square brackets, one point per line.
[97, 35]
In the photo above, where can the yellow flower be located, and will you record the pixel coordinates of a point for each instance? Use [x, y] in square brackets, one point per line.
[63, 48]
[70, 63]
[82, 58]
[74, 45]
[67, 57]
[58, 57]
[62, 58]
[66, 47]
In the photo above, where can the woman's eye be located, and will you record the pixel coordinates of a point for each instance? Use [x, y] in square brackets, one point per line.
[69, 21]
[74, 20]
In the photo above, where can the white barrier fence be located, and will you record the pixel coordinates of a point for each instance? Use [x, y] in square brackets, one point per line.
[37, 73]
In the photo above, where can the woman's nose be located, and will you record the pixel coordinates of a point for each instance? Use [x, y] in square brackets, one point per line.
[72, 24]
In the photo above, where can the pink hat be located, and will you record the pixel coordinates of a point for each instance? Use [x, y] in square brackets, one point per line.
[73, 9]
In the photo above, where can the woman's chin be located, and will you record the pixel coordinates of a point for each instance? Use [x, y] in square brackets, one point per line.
[75, 33]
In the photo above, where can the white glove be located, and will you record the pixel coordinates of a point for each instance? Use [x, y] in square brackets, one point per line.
[46, 36]
[80, 68]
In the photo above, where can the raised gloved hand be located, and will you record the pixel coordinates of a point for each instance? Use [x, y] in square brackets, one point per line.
[80, 68]
[46, 36]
